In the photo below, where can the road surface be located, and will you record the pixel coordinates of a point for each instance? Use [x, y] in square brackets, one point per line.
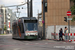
[7, 43]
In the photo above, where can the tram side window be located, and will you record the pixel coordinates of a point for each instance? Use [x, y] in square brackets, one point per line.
[14, 27]
[21, 28]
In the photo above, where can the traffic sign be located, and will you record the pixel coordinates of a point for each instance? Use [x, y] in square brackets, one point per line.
[43, 22]
[68, 13]
[69, 18]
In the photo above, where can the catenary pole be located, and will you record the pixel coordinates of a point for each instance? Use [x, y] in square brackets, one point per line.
[31, 9]
[44, 19]
[28, 7]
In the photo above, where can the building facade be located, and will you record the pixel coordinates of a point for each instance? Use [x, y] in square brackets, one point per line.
[7, 18]
[55, 11]
[1, 20]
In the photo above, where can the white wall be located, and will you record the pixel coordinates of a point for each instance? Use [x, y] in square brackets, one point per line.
[50, 29]
[60, 26]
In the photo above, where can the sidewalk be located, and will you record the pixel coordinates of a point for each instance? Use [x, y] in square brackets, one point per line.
[59, 41]
[6, 35]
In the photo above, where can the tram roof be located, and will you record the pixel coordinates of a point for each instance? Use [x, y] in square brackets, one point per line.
[28, 18]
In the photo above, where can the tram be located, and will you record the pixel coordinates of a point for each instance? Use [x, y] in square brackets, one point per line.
[25, 28]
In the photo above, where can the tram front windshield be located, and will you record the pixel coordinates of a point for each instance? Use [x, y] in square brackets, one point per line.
[31, 25]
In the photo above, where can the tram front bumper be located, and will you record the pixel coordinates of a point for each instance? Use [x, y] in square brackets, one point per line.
[30, 37]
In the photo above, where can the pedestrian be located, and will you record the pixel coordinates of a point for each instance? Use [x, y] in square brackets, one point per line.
[66, 33]
[60, 34]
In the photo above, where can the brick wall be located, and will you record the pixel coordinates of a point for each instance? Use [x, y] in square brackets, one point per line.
[56, 11]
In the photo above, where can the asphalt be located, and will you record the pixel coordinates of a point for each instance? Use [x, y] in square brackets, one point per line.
[7, 43]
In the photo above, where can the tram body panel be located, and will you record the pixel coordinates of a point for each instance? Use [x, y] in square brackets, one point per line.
[25, 29]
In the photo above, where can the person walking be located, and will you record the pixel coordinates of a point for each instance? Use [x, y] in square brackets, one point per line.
[60, 34]
[66, 33]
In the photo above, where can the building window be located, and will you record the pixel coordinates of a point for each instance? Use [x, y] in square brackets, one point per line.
[1, 10]
[40, 19]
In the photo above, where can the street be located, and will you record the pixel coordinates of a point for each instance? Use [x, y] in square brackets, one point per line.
[7, 43]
